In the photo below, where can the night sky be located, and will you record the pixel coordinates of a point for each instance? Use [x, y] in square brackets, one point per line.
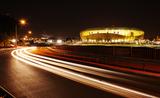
[69, 18]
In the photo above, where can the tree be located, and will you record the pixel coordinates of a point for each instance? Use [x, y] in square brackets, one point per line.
[7, 28]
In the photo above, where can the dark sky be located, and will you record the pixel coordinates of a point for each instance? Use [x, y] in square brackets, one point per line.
[69, 18]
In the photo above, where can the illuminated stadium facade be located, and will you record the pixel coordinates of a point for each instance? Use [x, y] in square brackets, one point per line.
[112, 35]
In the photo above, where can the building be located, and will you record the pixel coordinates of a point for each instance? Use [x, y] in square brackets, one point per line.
[111, 35]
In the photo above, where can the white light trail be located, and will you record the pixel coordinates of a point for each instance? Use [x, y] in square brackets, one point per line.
[78, 67]
[74, 64]
[103, 85]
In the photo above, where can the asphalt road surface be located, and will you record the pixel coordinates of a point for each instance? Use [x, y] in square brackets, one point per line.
[25, 81]
[38, 77]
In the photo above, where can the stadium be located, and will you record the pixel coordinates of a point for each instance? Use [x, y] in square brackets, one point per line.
[111, 34]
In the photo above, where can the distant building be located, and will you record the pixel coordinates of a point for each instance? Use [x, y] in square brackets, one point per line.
[111, 34]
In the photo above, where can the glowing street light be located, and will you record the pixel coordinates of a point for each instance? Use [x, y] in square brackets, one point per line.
[29, 32]
[22, 21]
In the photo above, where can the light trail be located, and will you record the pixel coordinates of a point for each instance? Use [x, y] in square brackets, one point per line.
[82, 68]
[123, 69]
[75, 67]
[103, 85]
[109, 74]
[70, 63]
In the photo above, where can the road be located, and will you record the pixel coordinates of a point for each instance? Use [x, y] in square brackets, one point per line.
[25, 81]
[26, 75]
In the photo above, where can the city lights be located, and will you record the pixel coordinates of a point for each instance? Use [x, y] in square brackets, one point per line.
[13, 40]
[59, 41]
[90, 49]
[50, 41]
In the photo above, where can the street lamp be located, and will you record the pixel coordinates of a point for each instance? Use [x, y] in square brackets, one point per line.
[20, 22]
[29, 32]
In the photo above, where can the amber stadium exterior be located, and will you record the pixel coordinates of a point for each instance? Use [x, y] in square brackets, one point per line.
[111, 34]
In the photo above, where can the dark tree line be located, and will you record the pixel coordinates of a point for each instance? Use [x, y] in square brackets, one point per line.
[7, 28]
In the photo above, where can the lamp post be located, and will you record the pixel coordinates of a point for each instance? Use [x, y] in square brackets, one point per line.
[16, 34]
[22, 22]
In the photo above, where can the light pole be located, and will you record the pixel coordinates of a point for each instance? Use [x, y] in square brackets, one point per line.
[16, 35]
[22, 22]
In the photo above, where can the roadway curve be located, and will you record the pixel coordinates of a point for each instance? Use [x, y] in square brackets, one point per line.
[114, 82]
